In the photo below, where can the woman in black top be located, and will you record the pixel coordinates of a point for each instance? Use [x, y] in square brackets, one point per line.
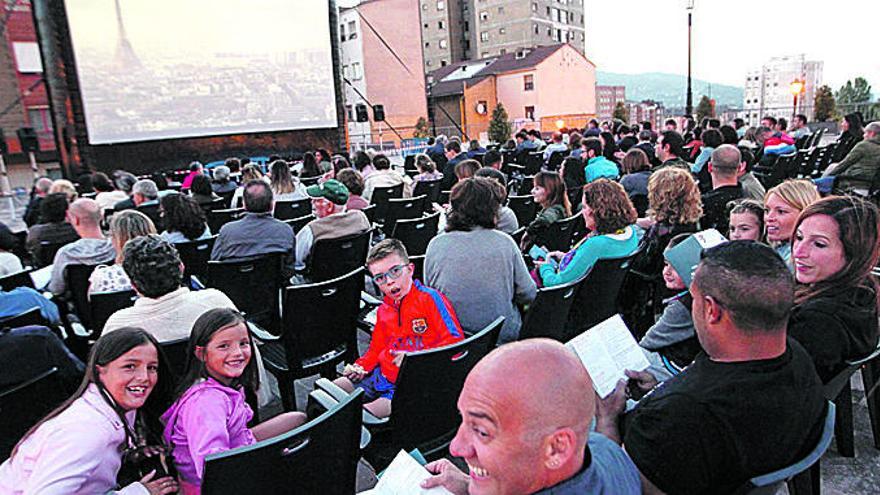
[834, 249]
[852, 132]
[549, 192]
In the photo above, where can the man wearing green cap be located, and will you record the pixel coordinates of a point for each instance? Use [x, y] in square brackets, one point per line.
[333, 220]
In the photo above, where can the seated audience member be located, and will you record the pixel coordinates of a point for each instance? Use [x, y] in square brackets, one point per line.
[524, 143]
[752, 187]
[438, 148]
[646, 144]
[144, 193]
[712, 139]
[724, 167]
[26, 352]
[385, 176]
[257, 232]
[108, 195]
[520, 436]
[549, 192]
[454, 156]
[572, 172]
[184, 220]
[858, 169]
[782, 205]
[637, 171]
[66, 187]
[479, 292]
[209, 414]
[746, 221]
[201, 190]
[21, 299]
[248, 173]
[338, 163]
[834, 249]
[78, 447]
[671, 344]
[124, 182]
[323, 158]
[728, 135]
[574, 144]
[309, 167]
[124, 226]
[9, 263]
[475, 149]
[776, 143]
[332, 220]
[285, 187]
[222, 183]
[556, 144]
[536, 137]
[91, 249]
[53, 227]
[466, 169]
[749, 405]
[354, 182]
[507, 221]
[670, 149]
[610, 220]
[427, 169]
[597, 165]
[412, 318]
[852, 133]
[493, 159]
[39, 191]
[799, 127]
[626, 138]
[195, 169]
[364, 164]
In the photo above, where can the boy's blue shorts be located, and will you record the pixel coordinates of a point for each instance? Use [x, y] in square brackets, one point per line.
[375, 385]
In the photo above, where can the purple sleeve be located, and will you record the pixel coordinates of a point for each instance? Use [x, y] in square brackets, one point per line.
[203, 420]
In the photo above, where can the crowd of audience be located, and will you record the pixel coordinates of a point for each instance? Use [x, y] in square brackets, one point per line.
[737, 359]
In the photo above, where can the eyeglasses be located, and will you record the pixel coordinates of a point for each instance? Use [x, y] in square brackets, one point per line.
[393, 274]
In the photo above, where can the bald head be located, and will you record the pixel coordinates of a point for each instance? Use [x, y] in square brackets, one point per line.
[86, 212]
[725, 162]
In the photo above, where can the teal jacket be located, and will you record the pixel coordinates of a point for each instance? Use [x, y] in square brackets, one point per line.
[601, 167]
[586, 253]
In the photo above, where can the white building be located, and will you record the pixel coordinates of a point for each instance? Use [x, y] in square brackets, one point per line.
[767, 89]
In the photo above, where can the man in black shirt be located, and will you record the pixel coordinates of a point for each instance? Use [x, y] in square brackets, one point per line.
[749, 405]
[724, 167]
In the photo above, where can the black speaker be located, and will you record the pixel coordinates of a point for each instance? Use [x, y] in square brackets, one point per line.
[27, 137]
[361, 113]
[378, 113]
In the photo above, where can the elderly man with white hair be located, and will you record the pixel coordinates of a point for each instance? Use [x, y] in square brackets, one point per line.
[858, 169]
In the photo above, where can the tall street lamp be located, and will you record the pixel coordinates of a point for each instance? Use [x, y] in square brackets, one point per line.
[689, 108]
[796, 87]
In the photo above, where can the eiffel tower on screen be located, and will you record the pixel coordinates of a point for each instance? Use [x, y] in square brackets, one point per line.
[125, 57]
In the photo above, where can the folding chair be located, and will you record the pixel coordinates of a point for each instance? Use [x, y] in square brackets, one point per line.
[838, 389]
[195, 256]
[252, 284]
[431, 190]
[380, 198]
[333, 258]
[22, 405]
[596, 297]
[548, 313]
[524, 207]
[402, 209]
[218, 218]
[102, 306]
[288, 210]
[416, 233]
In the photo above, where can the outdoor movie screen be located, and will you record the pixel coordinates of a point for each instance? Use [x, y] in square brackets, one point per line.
[159, 69]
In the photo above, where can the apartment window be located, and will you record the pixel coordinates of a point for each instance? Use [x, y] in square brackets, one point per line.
[548, 11]
[426, 25]
[443, 44]
[528, 82]
[534, 6]
[536, 29]
[484, 55]
[484, 16]
[502, 31]
[427, 44]
[346, 72]
[352, 32]
[356, 71]
[503, 51]
[349, 112]
[443, 63]
[501, 10]
[484, 36]
[39, 119]
[530, 113]
[341, 33]
[467, 26]
[441, 25]
[441, 4]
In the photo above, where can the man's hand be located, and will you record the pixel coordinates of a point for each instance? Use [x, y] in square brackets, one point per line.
[448, 476]
[608, 409]
[643, 380]
[398, 357]
[354, 372]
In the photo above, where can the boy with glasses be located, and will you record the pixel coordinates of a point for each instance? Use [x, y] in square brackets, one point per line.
[412, 318]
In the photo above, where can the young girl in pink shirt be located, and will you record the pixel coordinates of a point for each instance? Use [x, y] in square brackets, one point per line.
[210, 414]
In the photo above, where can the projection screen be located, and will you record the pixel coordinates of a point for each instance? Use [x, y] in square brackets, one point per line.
[159, 69]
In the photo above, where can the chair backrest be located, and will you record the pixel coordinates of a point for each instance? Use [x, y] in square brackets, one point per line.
[332, 258]
[227, 199]
[195, 256]
[215, 204]
[46, 253]
[548, 313]
[430, 189]
[418, 262]
[640, 202]
[416, 233]
[218, 218]
[321, 318]
[557, 236]
[22, 405]
[524, 207]
[596, 297]
[288, 210]
[402, 209]
[104, 304]
[77, 277]
[310, 181]
[298, 223]
[152, 211]
[18, 279]
[370, 212]
[428, 386]
[320, 456]
[30, 316]
[380, 198]
[534, 162]
[251, 284]
[556, 159]
[175, 352]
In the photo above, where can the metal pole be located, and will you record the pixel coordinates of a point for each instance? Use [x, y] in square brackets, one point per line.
[794, 113]
[689, 108]
[34, 168]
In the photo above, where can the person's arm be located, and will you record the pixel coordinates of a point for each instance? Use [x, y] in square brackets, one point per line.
[853, 157]
[524, 287]
[304, 240]
[545, 218]
[822, 335]
[378, 345]
[441, 316]
[57, 285]
[203, 421]
[583, 260]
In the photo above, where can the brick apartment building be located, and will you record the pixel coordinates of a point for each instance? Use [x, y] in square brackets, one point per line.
[607, 98]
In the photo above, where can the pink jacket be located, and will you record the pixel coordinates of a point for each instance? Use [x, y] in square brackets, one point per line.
[208, 418]
[74, 452]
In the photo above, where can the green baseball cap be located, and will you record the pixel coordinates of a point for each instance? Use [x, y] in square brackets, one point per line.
[332, 190]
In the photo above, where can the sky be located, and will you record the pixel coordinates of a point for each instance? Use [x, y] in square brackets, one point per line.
[732, 37]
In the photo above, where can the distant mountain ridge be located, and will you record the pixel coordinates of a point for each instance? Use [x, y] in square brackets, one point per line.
[670, 89]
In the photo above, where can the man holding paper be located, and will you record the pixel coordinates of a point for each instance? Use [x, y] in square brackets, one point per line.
[749, 405]
[530, 435]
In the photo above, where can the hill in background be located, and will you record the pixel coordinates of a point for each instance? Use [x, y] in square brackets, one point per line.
[670, 88]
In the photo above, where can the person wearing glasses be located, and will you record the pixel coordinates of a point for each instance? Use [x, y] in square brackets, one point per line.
[412, 318]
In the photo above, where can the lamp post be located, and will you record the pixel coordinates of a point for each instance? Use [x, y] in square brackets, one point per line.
[689, 108]
[796, 87]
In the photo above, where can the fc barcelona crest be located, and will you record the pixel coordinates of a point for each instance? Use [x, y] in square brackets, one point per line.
[419, 325]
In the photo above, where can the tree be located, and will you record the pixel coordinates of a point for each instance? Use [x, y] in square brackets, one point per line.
[620, 112]
[422, 129]
[854, 96]
[824, 104]
[499, 127]
[705, 108]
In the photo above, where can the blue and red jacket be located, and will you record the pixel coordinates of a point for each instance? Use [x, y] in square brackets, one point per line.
[423, 320]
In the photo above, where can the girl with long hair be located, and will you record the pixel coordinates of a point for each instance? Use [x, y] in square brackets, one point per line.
[549, 192]
[285, 187]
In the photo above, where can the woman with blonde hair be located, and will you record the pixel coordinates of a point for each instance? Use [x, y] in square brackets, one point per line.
[66, 187]
[250, 172]
[782, 205]
[427, 169]
[285, 186]
[124, 226]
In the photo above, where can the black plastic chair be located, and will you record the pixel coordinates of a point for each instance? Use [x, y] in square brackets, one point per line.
[195, 256]
[416, 233]
[333, 258]
[524, 207]
[431, 190]
[152, 211]
[319, 331]
[22, 405]
[558, 235]
[838, 389]
[418, 262]
[18, 279]
[640, 202]
[218, 218]
[402, 209]
[30, 316]
[298, 223]
[548, 313]
[380, 198]
[320, 456]
[533, 163]
[288, 210]
[252, 285]
[175, 352]
[227, 200]
[102, 306]
[45, 254]
[596, 297]
[77, 277]
[370, 212]
[310, 181]
[556, 159]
